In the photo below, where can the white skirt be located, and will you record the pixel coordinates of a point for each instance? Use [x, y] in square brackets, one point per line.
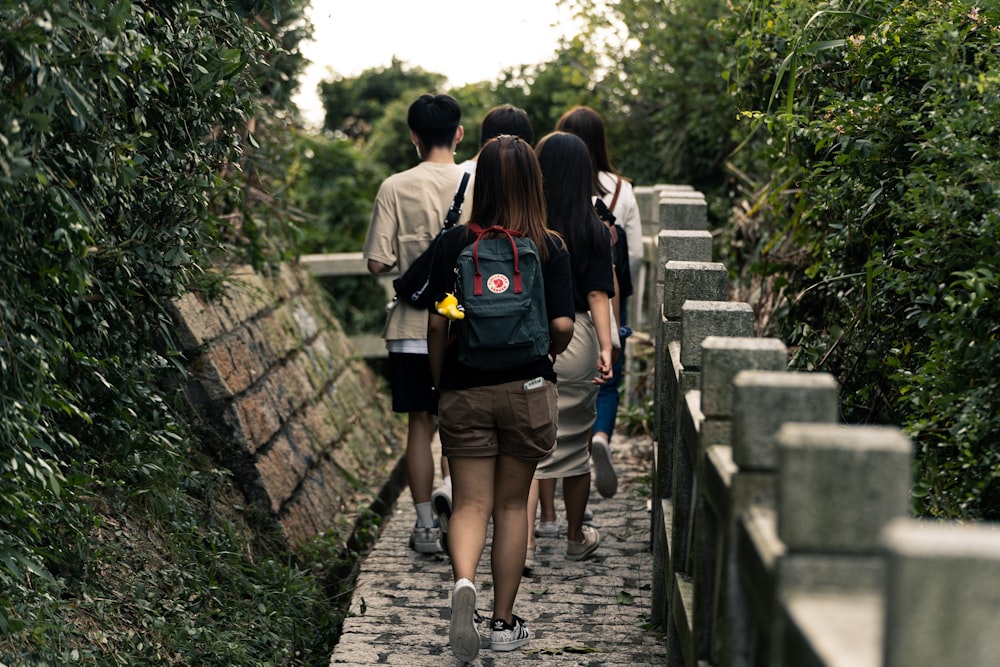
[575, 368]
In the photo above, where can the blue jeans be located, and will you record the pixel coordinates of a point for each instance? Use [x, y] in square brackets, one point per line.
[610, 392]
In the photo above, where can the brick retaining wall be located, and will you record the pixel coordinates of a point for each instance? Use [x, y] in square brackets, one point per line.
[295, 413]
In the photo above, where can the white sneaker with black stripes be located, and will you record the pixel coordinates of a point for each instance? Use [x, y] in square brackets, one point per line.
[506, 636]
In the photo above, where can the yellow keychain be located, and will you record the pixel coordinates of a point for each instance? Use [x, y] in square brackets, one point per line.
[449, 307]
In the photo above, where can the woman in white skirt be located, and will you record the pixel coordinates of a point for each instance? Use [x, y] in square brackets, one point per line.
[587, 361]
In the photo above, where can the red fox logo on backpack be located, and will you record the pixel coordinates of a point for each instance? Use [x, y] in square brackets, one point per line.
[498, 283]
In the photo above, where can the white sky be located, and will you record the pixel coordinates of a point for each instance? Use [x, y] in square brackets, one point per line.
[466, 40]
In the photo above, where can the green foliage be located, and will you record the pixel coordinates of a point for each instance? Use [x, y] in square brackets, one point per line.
[660, 88]
[166, 577]
[355, 105]
[331, 181]
[873, 125]
[333, 186]
[104, 192]
[546, 90]
[637, 408]
[133, 155]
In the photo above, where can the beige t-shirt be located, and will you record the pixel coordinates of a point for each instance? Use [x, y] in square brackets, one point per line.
[409, 209]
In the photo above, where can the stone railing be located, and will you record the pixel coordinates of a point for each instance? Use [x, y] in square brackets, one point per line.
[782, 537]
[369, 346]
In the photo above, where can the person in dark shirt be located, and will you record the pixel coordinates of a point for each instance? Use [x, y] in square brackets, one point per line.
[615, 192]
[495, 425]
[587, 362]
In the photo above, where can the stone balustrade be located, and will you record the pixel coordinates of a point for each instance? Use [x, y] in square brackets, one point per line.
[781, 536]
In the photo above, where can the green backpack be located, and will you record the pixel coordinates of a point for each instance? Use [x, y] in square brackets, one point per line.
[501, 288]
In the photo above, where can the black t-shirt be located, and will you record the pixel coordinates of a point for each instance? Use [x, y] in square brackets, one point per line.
[557, 275]
[599, 274]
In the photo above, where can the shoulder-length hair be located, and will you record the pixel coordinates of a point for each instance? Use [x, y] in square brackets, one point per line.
[565, 164]
[508, 190]
[587, 124]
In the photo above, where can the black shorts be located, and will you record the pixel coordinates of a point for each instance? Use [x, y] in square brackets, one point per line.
[410, 379]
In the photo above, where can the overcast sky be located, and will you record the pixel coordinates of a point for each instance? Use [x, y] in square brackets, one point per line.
[466, 40]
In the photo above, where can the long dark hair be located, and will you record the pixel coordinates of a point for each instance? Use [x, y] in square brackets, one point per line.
[587, 124]
[565, 164]
[508, 190]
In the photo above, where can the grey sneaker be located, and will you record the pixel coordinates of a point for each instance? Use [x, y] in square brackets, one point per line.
[426, 539]
[441, 505]
[463, 635]
[605, 477]
[506, 636]
[580, 550]
[547, 528]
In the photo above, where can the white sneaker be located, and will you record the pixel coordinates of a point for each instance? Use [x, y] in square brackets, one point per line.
[441, 505]
[580, 550]
[463, 635]
[606, 479]
[506, 636]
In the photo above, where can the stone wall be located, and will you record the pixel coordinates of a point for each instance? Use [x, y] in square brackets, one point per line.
[292, 410]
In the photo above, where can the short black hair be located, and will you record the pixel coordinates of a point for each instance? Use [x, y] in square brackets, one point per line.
[434, 119]
[506, 119]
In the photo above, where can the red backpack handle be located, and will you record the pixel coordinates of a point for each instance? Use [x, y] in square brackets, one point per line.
[477, 279]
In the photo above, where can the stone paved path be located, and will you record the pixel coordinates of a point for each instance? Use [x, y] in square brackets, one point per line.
[592, 612]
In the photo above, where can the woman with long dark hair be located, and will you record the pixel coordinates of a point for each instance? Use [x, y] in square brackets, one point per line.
[496, 424]
[586, 362]
[615, 191]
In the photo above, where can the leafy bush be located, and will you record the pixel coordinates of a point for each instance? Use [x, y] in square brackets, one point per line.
[135, 150]
[871, 128]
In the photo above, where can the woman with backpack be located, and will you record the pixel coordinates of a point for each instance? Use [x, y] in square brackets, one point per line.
[496, 423]
[587, 361]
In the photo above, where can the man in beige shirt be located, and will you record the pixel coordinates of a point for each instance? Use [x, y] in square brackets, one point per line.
[408, 213]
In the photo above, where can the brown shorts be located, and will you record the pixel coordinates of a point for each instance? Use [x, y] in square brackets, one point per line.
[516, 419]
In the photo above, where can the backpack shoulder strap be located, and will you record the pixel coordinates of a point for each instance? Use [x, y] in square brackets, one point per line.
[455, 212]
[618, 189]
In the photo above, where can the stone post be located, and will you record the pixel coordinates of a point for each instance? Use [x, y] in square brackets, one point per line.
[683, 281]
[699, 320]
[683, 210]
[717, 510]
[762, 402]
[838, 486]
[942, 595]
[677, 246]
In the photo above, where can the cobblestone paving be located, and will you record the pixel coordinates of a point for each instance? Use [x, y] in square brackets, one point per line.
[592, 612]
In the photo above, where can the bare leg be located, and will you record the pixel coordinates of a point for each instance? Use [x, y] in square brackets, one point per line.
[472, 494]
[532, 510]
[510, 531]
[547, 498]
[419, 462]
